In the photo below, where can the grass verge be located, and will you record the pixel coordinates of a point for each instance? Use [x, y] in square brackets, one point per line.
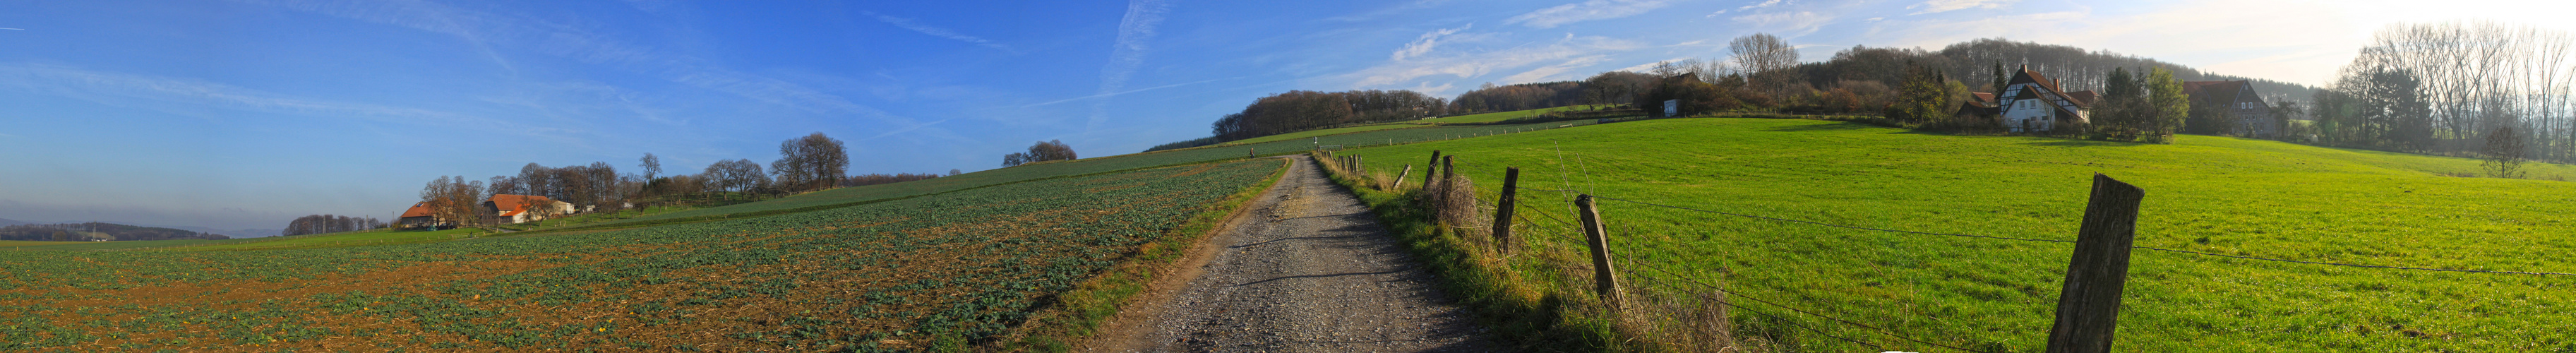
[1526, 313]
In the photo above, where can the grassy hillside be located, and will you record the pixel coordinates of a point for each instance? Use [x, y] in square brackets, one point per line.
[875, 193]
[1494, 116]
[933, 273]
[2209, 194]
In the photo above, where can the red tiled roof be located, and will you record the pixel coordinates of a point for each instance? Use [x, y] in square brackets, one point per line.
[2219, 93]
[417, 210]
[2083, 97]
[1984, 97]
[509, 204]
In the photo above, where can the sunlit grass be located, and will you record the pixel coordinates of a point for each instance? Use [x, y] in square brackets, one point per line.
[2210, 194]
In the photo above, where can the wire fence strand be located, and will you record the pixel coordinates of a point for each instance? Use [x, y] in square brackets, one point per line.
[1828, 224]
[2071, 241]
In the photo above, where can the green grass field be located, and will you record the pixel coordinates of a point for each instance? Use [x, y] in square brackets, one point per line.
[882, 192]
[2210, 194]
[1494, 116]
[1316, 133]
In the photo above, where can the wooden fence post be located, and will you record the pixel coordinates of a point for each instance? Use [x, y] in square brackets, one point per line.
[1357, 167]
[2088, 305]
[1604, 280]
[1435, 163]
[1503, 210]
[1400, 177]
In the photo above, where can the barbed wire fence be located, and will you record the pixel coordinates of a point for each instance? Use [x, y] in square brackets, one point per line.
[1654, 275]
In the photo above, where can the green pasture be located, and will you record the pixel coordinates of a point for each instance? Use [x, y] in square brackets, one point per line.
[2209, 194]
[884, 192]
[1495, 116]
[1302, 135]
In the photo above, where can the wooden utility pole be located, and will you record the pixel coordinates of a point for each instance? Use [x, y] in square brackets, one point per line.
[1604, 279]
[1503, 210]
[2088, 305]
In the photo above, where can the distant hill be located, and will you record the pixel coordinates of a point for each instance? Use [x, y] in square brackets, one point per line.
[237, 233]
[99, 231]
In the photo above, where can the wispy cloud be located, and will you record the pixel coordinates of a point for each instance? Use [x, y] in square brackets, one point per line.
[1752, 7]
[1641, 68]
[1940, 6]
[1471, 65]
[1786, 23]
[1134, 31]
[1429, 40]
[188, 96]
[907, 23]
[1554, 72]
[1585, 11]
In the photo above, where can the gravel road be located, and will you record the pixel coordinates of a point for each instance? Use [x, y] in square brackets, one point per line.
[1307, 270]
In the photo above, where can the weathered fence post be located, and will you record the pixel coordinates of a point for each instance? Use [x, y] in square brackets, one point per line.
[1604, 280]
[1435, 163]
[1357, 167]
[1503, 210]
[2088, 305]
[1400, 177]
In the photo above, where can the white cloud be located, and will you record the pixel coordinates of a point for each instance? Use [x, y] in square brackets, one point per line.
[1585, 11]
[189, 96]
[1939, 6]
[907, 23]
[1428, 41]
[1641, 68]
[1786, 24]
[1134, 31]
[1472, 65]
[1554, 72]
[1749, 7]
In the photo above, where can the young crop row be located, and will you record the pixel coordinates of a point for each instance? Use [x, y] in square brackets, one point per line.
[911, 274]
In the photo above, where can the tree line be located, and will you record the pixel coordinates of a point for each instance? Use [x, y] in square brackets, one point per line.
[1306, 110]
[2472, 89]
[323, 223]
[809, 163]
[99, 231]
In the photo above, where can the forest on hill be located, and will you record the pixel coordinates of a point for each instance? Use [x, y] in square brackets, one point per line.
[1857, 80]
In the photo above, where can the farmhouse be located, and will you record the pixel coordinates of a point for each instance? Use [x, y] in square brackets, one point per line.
[417, 216]
[2236, 103]
[523, 208]
[2031, 102]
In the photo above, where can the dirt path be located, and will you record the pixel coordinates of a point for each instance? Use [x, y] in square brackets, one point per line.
[1307, 269]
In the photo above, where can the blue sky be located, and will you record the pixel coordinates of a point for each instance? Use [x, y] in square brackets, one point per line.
[244, 114]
